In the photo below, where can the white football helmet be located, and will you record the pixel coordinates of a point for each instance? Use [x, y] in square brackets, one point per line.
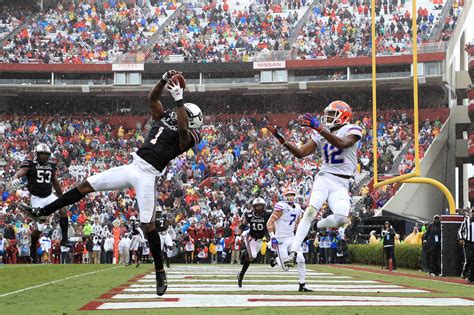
[195, 116]
[258, 205]
[289, 195]
[42, 148]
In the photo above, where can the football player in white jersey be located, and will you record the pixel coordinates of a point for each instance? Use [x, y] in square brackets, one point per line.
[281, 226]
[337, 140]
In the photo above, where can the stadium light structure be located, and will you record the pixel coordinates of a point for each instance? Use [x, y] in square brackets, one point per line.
[414, 176]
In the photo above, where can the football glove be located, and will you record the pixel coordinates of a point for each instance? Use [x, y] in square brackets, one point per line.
[276, 134]
[274, 243]
[309, 121]
[175, 90]
[168, 74]
[15, 184]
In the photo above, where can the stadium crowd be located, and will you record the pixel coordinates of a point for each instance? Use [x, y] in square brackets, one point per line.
[216, 31]
[235, 158]
[219, 32]
[86, 31]
[343, 28]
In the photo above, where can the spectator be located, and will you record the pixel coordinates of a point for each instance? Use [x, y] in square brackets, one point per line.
[388, 236]
[109, 248]
[433, 239]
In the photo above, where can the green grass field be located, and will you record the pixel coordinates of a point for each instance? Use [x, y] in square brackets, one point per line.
[65, 289]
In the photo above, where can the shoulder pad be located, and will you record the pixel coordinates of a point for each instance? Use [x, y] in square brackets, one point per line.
[280, 206]
[27, 163]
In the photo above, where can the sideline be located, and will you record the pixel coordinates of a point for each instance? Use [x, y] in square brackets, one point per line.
[56, 281]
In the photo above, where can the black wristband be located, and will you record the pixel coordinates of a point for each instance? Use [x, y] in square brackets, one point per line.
[180, 103]
[163, 81]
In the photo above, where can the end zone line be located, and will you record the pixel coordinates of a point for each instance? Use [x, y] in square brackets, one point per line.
[56, 281]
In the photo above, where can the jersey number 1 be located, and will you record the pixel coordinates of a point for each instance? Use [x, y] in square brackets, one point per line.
[158, 134]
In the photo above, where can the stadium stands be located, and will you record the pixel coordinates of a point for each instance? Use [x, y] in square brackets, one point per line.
[218, 31]
[87, 32]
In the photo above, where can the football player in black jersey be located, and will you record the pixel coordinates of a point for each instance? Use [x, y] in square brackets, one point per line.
[173, 132]
[162, 226]
[253, 229]
[41, 176]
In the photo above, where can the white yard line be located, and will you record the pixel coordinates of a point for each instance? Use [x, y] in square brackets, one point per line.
[56, 281]
[193, 300]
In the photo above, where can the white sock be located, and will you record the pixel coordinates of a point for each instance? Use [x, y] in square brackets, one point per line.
[302, 272]
[303, 228]
[332, 221]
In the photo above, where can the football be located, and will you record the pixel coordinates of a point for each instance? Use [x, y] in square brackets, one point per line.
[179, 79]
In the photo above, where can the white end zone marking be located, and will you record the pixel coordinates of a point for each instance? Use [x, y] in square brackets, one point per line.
[283, 281]
[193, 300]
[56, 281]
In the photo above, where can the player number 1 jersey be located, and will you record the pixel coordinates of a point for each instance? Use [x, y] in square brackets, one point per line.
[335, 160]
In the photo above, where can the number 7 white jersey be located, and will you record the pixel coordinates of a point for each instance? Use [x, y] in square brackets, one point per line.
[285, 225]
[338, 161]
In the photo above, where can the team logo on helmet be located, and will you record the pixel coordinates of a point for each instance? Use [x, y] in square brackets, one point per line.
[336, 114]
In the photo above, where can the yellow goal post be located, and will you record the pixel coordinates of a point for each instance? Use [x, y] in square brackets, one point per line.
[414, 176]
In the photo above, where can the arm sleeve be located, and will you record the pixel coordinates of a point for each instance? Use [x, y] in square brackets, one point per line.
[354, 130]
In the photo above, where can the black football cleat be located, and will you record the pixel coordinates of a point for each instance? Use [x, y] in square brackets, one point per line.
[303, 288]
[239, 280]
[34, 213]
[273, 262]
[161, 283]
[290, 261]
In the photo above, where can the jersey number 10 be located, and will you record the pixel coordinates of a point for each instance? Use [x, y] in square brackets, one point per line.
[257, 226]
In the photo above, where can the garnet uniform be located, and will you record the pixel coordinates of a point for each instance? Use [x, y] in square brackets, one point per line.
[160, 146]
[40, 181]
[162, 228]
[257, 230]
[149, 162]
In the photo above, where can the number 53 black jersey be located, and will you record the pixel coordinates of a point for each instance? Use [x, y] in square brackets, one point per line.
[162, 143]
[39, 177]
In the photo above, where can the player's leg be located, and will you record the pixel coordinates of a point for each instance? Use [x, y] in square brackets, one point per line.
[168, 249]
[283, 250]
[145, 184]
[246, 257]
[319, 195]
[302, 271]
[111, 179]
[339, 202]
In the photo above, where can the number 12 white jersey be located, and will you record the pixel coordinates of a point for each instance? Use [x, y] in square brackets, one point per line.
[338, 161]
[285, 225]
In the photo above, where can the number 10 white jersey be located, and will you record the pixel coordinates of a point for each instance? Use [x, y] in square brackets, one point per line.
[285, 225]
[338, 161]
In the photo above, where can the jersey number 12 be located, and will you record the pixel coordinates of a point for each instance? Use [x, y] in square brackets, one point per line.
[331, 154]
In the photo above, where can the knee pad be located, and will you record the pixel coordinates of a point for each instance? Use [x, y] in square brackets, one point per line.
[310, 213]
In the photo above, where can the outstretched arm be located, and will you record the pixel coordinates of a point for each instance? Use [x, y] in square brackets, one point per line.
[301, 151]
[340, 143]
[185, 137]
[156, 107]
